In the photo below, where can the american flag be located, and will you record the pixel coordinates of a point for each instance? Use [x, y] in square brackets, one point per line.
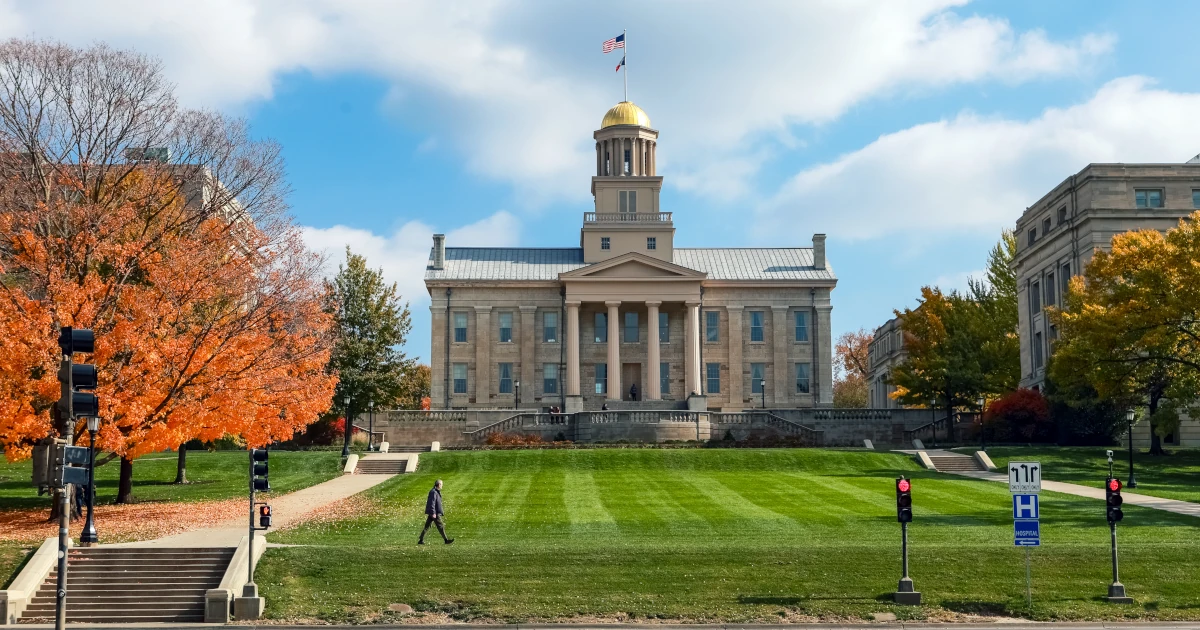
[614, 43]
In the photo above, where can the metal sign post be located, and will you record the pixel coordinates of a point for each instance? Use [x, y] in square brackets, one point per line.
[1025, 482]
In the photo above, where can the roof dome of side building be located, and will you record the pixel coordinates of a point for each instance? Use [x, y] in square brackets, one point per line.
[625, 113]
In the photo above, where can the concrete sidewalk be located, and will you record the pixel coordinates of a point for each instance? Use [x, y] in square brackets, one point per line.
[1131, 498]
[286, 510]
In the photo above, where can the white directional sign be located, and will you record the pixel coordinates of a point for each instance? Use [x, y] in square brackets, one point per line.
[1024, 477]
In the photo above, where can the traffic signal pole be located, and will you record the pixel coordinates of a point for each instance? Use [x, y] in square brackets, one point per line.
[905, 593]
[1113, 501]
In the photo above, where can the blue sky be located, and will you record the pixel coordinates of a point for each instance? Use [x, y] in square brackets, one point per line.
[910, 132]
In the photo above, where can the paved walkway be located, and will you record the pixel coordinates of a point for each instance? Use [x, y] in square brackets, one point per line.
[286, 509]
[1131, 498]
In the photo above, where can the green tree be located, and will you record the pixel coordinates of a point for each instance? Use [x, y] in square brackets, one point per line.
[370, 324]
[999, 350]
[1130, 326]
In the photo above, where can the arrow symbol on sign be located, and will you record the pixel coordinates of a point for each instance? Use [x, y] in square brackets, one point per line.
[1034, 469]
[1026, 471]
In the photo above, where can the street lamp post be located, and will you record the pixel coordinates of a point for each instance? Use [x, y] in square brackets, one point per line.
[517, 395]
[348, 425]
[1129, 419]
[371, 425]
[89, 536]
[982, 436]
[762, 387]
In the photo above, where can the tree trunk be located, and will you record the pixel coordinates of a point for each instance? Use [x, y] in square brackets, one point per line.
[56, 505]
[181, 467]
[125, 486]
[1155, 442]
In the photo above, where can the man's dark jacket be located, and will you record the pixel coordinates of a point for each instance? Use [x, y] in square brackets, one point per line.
[433, 505]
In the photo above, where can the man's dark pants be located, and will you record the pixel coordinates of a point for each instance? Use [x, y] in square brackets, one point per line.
[433, 520]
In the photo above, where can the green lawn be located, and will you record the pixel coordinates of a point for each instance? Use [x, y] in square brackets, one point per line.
[217, 475]
[716, 535]
[1174, 476]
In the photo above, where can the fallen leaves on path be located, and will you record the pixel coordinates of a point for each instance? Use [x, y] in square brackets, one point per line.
[124, 523]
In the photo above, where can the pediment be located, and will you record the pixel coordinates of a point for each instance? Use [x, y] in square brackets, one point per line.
[633, 266]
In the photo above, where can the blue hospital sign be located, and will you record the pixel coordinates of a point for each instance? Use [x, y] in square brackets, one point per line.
[1026, 534]
[1025, 506]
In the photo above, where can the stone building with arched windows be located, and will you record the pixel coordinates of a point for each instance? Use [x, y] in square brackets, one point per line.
[627, 318]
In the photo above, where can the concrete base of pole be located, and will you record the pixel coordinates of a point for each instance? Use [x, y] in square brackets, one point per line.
[905, 595]
[1116, 594]
[249, 606]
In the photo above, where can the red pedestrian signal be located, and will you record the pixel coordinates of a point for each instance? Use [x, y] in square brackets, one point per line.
[904, 500]
[264, 516]
[1114, 485]
[1113, 500]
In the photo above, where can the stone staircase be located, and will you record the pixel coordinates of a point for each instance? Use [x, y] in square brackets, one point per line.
[380, 466]
[955, 463]
[408, 449]
[133, 585]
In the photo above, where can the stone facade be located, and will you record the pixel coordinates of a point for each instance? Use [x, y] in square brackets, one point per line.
[1058, 235]
[578, 328]
[885, 352]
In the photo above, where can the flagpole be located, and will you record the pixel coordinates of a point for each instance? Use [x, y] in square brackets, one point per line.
[625, 65]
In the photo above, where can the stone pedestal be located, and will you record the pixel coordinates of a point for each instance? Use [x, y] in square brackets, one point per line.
[249, 606]
[697, 403]
[905, 595]
[1116, 594]
[573, 404]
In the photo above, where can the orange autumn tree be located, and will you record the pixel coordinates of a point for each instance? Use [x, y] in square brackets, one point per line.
[205, 303]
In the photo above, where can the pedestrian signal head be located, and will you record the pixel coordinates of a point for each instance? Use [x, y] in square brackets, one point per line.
[264, 516]
[904, 500]
[1114, 485]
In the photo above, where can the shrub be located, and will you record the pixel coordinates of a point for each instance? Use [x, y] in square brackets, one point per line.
[1020, 416]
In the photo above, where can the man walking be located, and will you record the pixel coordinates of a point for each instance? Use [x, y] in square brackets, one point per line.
[434, 513]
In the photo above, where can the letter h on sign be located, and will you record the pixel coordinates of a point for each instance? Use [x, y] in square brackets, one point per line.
[1025, 506]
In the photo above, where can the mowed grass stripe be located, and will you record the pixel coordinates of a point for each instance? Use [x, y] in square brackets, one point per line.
[585, 510]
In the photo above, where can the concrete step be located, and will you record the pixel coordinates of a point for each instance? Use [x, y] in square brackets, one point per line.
[77, 594]
[139, 572]
[392, 448]
[94, 616]
[381, 466]
[155, 605]
[957, 464]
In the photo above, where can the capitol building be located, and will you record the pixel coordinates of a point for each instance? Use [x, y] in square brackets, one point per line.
[626, 318]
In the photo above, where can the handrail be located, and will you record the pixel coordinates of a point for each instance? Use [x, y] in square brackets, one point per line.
[627, 217]
[931, 428]
[639, 417]
[515, 421]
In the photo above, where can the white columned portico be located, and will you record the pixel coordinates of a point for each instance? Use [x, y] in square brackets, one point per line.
[572, 349]
[692, 351]
[614, 350]
[653, 378]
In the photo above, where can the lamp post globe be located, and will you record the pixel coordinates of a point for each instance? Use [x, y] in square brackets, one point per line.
[1129, 417]
[347, 426]
[516, 394]
[89, 535]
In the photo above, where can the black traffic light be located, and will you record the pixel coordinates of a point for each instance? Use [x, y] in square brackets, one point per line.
[904, 500]
[258, 470]
[1112, 498]
[73, 377]
[264, 516]
[72, 340]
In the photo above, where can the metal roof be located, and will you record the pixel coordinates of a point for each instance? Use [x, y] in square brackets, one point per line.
[720, 263]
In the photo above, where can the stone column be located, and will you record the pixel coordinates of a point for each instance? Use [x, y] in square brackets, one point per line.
[529, 366]
[653, 378]
[483, 355]
[736, 371]
[692, 350]
[780, 342]
[572, 342]
[822, 347]
[614, 351]
[599, 158]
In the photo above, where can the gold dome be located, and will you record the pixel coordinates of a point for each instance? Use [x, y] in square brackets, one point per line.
[625, 113]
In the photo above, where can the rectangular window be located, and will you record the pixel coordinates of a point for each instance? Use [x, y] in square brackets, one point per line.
[711, 319]
[802, 378]
[1046, 225]
[1035, 295]
[801, 326]
[756, 325]
[506, 327]
[1148, 197]
[1037, 350]
[758, 372]
[628, 163]
[664, 328]
[713, 371]
[1064, 278]
[505, 378]
[550, 378]
[1032, 236]
[627, 201]
[1062, 215]
[631, 328]
[460, 378]
[601, 378]
[1196, 198]
[550, 327]
[604, 242]
[664, 379]
[651, 242]
[1049, 289]
[460, 328]
[601, 327]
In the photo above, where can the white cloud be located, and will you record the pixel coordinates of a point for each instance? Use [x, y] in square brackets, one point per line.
[959, 281]
[979, 173]
[517, 87]
[404, 254]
